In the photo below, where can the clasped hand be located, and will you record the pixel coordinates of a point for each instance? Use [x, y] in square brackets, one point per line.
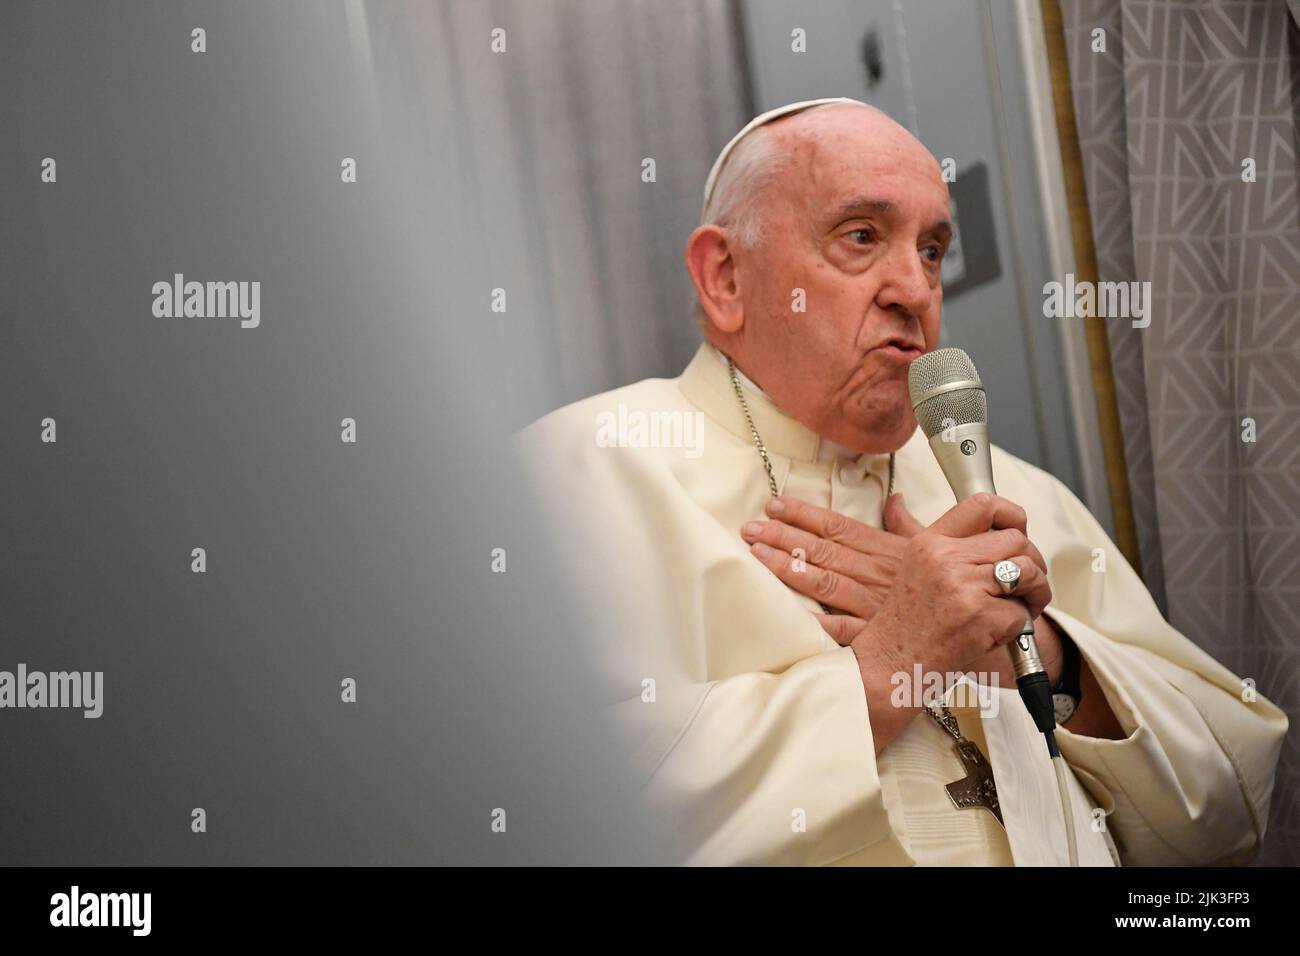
[909, 593]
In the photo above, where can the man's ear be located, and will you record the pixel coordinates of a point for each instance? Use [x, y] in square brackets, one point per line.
[713, 270]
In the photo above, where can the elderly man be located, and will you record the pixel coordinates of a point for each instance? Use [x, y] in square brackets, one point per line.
[764, 604]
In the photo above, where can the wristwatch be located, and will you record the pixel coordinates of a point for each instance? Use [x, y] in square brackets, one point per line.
[1066, 692]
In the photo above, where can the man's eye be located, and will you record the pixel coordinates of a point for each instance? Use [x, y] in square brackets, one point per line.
[867, 235]
[932, 253]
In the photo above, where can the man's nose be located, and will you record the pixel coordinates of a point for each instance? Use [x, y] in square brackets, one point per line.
[906, 284]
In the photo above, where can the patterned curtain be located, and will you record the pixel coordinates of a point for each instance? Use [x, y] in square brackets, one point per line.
[1187, 120]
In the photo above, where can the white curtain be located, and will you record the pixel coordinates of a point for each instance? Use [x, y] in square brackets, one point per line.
[545, 145]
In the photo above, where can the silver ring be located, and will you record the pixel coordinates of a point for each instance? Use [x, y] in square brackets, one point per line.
[1007, 574]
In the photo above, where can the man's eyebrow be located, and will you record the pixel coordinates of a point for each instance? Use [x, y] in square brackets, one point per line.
[942, 228]
[864, 204]
[860, 204]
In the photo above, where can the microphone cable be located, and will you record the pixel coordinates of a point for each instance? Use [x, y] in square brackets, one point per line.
[1063, 788]
[1036, 691]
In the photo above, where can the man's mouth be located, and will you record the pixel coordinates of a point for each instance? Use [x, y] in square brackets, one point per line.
[901, 349]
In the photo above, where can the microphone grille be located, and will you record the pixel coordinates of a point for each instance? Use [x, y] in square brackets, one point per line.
[946, 369]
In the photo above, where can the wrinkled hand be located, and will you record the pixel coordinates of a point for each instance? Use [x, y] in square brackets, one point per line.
[854, 568]
[830, 557]
[913, 595]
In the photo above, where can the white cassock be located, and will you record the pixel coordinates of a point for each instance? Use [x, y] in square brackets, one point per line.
[745, 725]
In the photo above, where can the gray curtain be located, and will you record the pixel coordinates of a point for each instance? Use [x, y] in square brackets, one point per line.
[548, 141]
[1182, 96]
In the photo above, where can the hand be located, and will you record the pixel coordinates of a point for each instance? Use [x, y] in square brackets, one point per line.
[945, 593]
[843, 563]
[830, 557]
[945, 611]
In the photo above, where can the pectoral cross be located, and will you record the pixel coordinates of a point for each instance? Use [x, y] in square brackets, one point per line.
[977, 788]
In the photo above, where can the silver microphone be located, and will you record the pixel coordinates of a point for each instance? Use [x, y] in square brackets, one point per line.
[952, 409]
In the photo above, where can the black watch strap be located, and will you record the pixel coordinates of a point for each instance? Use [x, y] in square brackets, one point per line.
[1070, 667]
[1068, 684]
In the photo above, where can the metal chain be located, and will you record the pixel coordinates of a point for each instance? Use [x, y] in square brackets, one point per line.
[948, 722]
[749, 419]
